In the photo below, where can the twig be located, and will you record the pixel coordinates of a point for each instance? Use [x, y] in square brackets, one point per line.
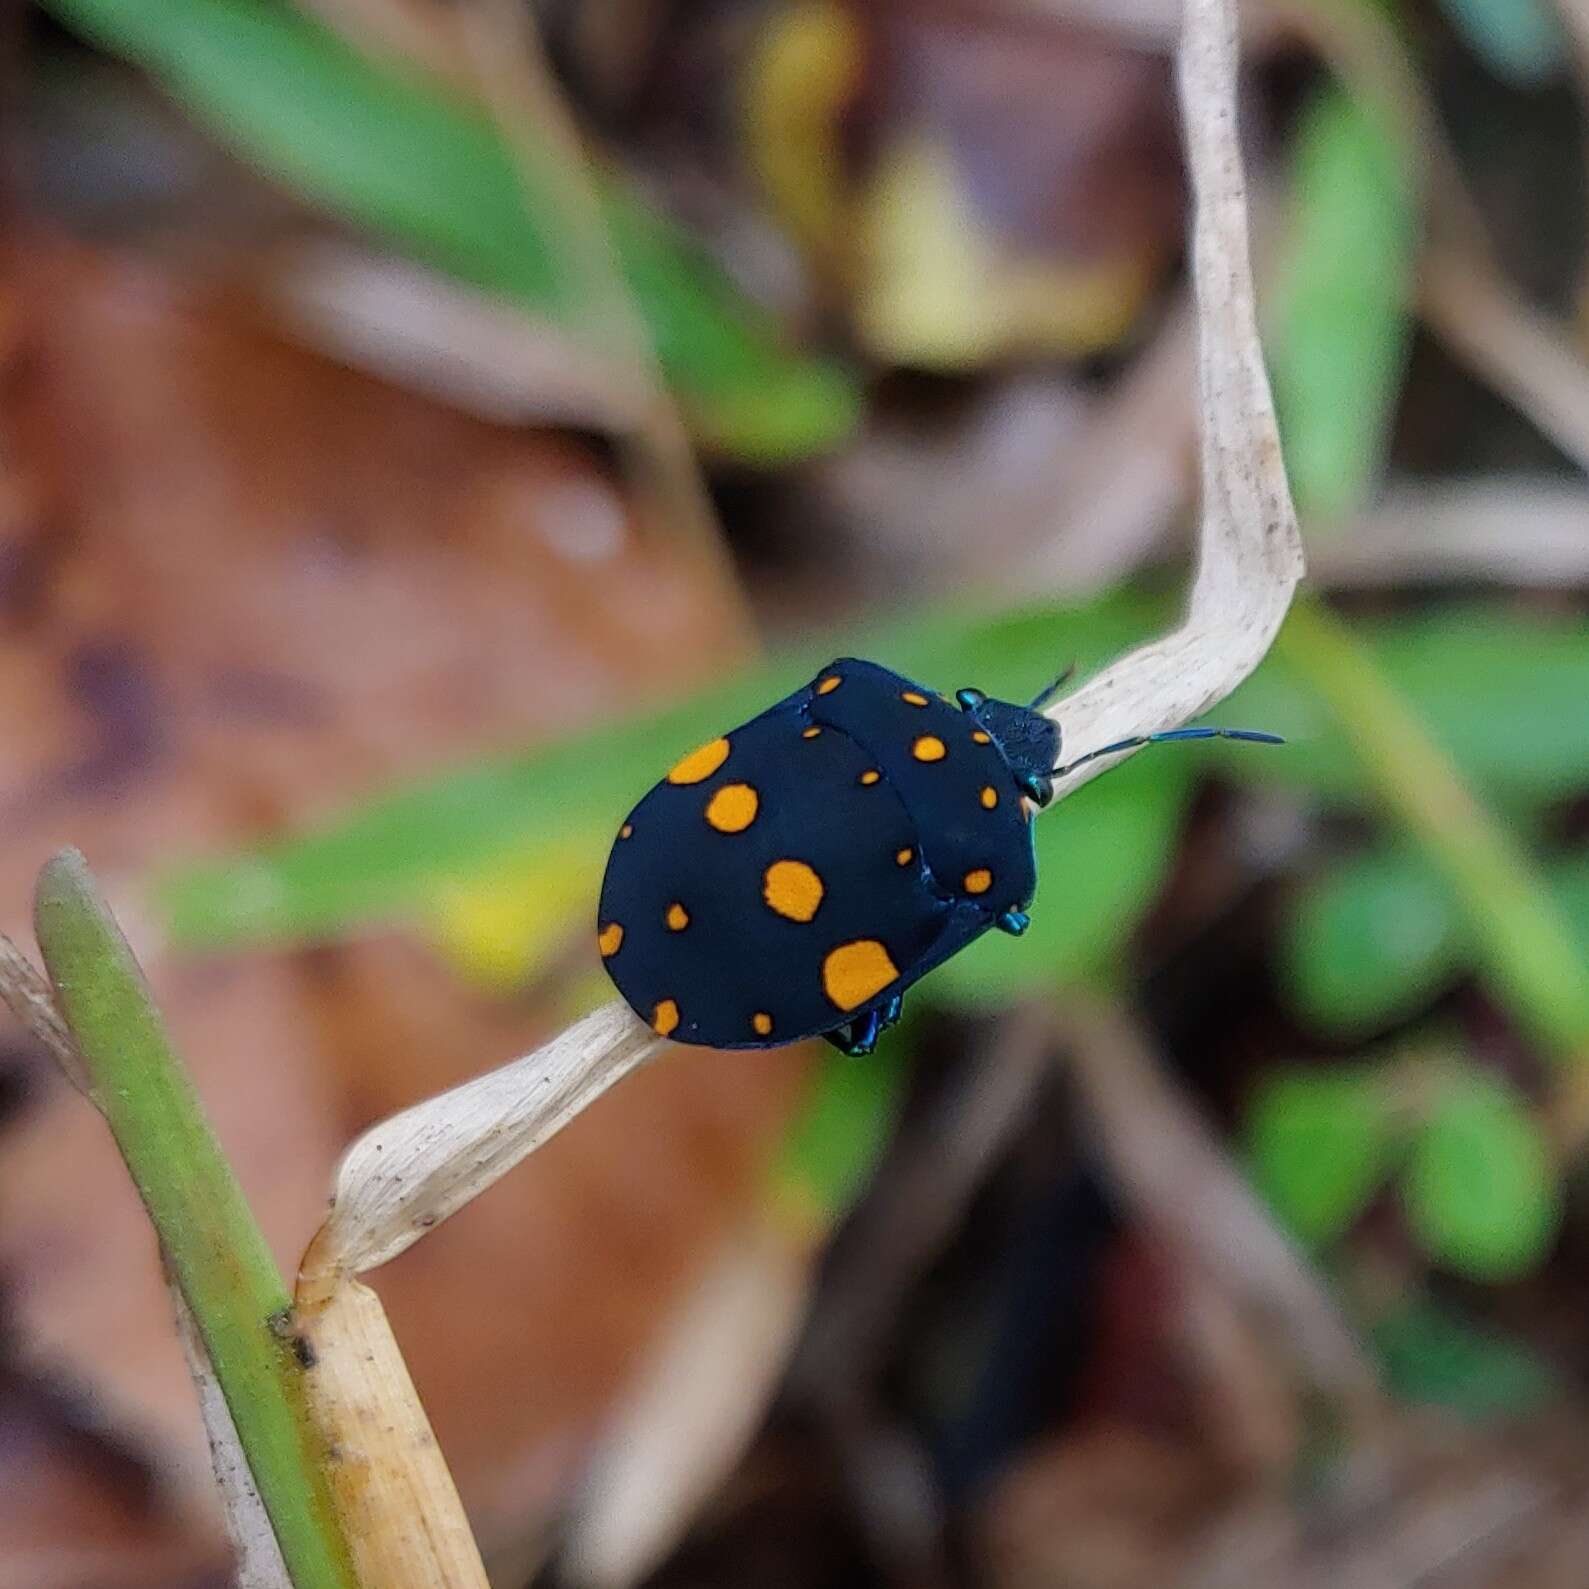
[415, 327]
[1250, 550]
[407, 1174]
[258, 1563]
[1525, 355]
[1514, 530]
[684, 1420]
[689, 1412]
[1167, 1164]
[30, 998]
[517, 86]
[393, 1489]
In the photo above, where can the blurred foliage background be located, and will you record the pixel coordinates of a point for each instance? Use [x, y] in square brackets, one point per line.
[420, 420]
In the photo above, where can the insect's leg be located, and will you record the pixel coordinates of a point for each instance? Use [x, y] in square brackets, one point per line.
[1014, 922]
[891, 1011]
[870, 1028]
[864, 1033]
[858, 1038]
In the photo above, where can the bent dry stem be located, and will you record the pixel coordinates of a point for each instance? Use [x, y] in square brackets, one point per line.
[214, 1248]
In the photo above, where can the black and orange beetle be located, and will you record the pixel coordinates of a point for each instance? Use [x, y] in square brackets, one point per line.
[793, 877]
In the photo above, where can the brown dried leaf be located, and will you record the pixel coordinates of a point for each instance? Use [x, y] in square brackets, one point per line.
[241, 586]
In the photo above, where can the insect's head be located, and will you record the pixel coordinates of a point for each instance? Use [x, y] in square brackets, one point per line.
[1028, 741]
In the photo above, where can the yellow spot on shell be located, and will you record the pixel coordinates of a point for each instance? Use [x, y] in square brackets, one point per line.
[810, 733]
[665, 1017]
[733, 808]
[829, 684]
[701, 763]
[626, 830]
[990, 797]
[610, 939]
[761, 1023]
[929, 748]
[904, 857]
[979, 881]
[913, 698]
[856, 972]
[793, 889]
[677, 918]
[870, 776]
[978, 737]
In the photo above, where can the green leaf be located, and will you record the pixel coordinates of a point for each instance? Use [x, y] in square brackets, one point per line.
[1319, 1145]
[389, 858]
[1343, 318]
[1503, 694]
[1497, 687]
[834, 1143]
[1434, 1355]
[404, 157]
[1519, 40]
[1481, 1191]
[1370, 942]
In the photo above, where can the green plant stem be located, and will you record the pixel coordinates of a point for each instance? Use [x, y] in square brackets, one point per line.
[213, 1246]
[1525, 944]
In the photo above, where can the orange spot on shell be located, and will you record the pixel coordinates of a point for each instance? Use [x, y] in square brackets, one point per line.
[810, 733]
[626, 830]
[978, 881]
[701, 762]
[904, 857]
[677, 918]
[989, 797]
[856, 972]
[792, 889]
[610, 939]
[829, 684]
[979, 737]
[929, 748]
[913, 698]
[870, 776]
[761, 1023]
[665, 1017]
[733, 808]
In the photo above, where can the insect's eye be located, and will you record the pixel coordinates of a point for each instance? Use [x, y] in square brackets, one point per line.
[969, 700]
[1037, 788]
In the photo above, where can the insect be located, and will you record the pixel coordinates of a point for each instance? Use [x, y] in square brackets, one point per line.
[793, 877]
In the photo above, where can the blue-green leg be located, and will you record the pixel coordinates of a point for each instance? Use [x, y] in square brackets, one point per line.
[859, 1037]
[1014, 922]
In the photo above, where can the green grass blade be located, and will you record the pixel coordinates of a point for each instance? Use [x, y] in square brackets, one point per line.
[1497, 689]
[1343, 322]
[396, 153]
[210, 1239]
[1522, 938]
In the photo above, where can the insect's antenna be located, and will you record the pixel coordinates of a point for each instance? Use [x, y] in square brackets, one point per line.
[1168, 737]
[1044, 696]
